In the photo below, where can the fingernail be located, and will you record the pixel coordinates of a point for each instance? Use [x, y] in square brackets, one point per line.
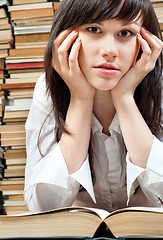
[144, 30]
[78, 40]
[74, 31]
[139, 36]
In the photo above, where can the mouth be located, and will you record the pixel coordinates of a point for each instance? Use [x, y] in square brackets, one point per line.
[107, 66]
[107, 69]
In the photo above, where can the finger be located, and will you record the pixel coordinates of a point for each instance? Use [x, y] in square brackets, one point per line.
[65, 37]
[59, 40]
[67, 42]
[61, 37]
[158, 41]
[60, 51]
[65, 47]
[74, 53]
[146, 51]
[149, 35]
[55, 61]
[149, 56]
[155, 44]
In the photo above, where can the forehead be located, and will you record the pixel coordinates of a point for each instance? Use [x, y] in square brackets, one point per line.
[124, 18]
[137, 21]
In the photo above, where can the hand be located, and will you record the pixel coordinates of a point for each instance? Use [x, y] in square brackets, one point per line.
[151, 48]
[65, 62]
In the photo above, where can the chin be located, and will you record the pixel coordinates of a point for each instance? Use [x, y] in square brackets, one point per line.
[106, 87]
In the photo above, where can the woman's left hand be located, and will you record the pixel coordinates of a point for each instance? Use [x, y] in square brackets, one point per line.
[137, 136]
[151, 49]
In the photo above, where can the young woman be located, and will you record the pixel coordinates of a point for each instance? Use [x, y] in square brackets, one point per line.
[94, 131]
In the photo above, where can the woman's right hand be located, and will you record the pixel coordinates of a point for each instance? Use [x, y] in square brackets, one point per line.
[65, 62]
[74, 146]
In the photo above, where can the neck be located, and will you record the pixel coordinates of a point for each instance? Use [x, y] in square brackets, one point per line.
[104, 109]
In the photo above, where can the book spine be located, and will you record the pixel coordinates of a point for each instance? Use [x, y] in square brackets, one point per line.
[24, 65]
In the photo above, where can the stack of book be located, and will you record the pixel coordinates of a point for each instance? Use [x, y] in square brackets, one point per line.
[3, 95]
[6, 40]
[32, 23]
[19, 2]
[2, 70]
[24, 65]
[6, 37]
[12, 196]
[3, 99]
[157, 3]
[14, 156]
[158, 6]
[2, 92]
[17, 105]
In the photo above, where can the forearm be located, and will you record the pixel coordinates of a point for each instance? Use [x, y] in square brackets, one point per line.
[74, 146]
[137, 136]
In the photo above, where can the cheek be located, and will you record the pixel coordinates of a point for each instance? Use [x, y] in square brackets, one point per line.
[135, 50]
[81, 57]
[86, 50]
[84, 55]
[131, 52]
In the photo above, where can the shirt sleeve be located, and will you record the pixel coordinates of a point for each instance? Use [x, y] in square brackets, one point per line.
[47, 181]
[150, 179]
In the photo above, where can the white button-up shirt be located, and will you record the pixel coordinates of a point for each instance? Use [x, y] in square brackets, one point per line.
[118, 182]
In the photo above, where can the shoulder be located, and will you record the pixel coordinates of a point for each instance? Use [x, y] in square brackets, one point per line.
[41, 107]
[40, 87]
[41, 99]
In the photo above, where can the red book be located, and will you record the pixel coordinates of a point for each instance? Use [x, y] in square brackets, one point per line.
[24, 65]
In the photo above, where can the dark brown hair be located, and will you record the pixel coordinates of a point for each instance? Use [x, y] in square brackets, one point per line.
[73, 13]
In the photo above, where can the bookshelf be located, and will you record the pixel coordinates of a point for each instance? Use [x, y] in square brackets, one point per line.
[29, 22]
[26, 25]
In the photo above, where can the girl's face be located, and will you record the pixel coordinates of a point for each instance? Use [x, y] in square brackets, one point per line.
[109, 49]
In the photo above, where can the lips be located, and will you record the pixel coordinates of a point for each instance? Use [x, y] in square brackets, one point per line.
[107, 66]
[107, 69]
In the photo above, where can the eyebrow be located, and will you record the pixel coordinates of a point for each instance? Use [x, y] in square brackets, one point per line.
[133, 22]
[123, 24]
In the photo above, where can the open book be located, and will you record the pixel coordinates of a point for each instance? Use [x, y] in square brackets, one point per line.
[80, 221]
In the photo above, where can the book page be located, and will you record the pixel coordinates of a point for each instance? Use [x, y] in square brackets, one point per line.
[139, 209]
[101, 212]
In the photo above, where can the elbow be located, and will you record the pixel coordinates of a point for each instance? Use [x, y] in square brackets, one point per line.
[43, 198]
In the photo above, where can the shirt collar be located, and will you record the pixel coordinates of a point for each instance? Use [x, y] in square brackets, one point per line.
[114, 126]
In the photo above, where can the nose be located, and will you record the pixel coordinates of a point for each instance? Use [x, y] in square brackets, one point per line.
[109, 48]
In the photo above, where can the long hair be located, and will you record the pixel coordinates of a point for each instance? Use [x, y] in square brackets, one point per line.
[74, 13]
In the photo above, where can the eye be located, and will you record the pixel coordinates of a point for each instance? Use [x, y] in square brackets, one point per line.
[125, 33]
[94, 29]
